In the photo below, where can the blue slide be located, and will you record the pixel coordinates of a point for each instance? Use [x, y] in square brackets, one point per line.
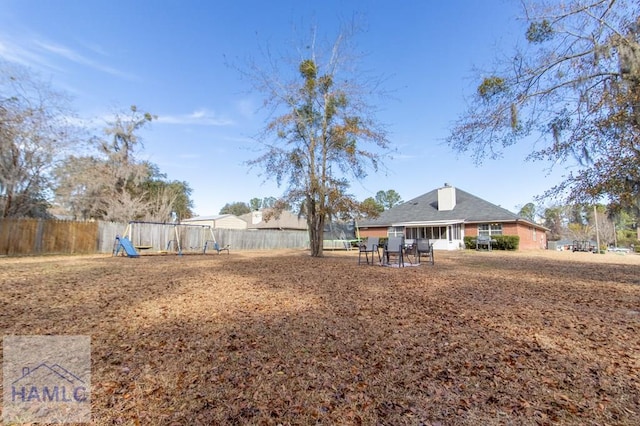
[127, 247]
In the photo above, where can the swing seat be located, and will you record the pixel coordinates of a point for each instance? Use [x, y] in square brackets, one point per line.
[216, 246]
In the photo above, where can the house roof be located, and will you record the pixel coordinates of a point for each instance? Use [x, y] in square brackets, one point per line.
[202, 218]
[285, 220]
[423, 211]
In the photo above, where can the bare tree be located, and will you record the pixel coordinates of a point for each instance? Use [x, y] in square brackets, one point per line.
[124, 198]
[79, 186]
[606, 227]
[317, 135]
[574, 93]
[576, 231]
[34, 133]
[161, 204]
[109, 185]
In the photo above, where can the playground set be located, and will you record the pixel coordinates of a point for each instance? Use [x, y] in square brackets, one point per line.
[140, 236]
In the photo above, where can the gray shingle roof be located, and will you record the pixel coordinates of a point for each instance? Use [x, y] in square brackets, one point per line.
[424, 208]
[201, 218]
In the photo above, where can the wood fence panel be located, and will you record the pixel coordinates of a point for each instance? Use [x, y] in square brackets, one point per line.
[68, 237]
[36, 236]
[107, 232]
[262, 239]
[17, 236]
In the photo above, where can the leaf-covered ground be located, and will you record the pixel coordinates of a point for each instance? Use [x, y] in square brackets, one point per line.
[281, 338]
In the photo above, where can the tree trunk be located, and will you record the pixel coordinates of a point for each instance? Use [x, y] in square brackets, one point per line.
[315, 221]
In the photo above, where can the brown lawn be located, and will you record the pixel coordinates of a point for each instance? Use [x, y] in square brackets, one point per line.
[281, 338]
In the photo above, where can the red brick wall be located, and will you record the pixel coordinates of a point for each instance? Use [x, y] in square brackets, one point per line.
[373, 232]
[525, 232]
[471, 230]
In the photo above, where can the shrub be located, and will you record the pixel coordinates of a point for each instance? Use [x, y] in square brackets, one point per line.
[503, 242]
[507, 242]
[470, 243]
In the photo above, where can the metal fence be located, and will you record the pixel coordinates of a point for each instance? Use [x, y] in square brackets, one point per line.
[37, 236]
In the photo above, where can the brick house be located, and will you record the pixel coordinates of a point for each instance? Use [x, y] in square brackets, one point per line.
[446, 215]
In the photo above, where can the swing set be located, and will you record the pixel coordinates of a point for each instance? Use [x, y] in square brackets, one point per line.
[167, 237]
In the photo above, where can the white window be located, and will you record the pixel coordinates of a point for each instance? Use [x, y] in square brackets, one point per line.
[395, 231]
[490, 229]
[432, 232]
[455, 232]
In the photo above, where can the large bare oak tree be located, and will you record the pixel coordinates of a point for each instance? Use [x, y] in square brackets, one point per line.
[321, 132]
[34, 133]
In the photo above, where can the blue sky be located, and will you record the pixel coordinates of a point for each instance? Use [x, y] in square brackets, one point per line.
[170, 58]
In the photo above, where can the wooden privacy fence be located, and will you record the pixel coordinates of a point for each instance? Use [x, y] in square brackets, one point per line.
[241, 239]
[37, 236]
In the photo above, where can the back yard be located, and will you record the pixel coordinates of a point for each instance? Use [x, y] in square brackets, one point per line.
[282, 338]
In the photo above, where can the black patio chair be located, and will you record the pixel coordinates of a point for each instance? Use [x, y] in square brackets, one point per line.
[371, 246]
[394, 247]
[424, 248]
[410, 251]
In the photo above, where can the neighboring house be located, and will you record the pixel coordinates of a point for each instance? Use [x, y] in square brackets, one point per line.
[222, 221]
[446, 215]
[285, 221]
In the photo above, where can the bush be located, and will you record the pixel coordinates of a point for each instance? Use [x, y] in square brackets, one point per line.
[507, 242]
[503, 242]
[470, 243]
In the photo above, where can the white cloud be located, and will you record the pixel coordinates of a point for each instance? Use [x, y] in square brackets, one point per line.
[13, 52]
[32, 50]
[200, 117]
[73, 56]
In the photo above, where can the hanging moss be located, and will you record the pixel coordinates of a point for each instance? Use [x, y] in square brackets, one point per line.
[491, 86]
[539, 32]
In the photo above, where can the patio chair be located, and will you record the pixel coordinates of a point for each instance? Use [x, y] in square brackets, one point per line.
[394, 247]
[424, 248]
[371, 246]
[484, 241]
[410, 251]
